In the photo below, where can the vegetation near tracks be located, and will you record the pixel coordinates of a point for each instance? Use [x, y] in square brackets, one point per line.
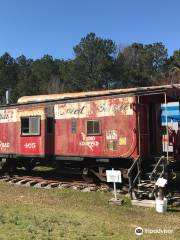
[29, 213]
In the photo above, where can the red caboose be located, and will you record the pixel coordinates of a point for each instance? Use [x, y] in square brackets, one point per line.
[91, 130]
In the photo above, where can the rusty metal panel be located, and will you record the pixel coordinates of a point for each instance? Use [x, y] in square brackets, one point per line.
[8, 115]
[31, 145]
[11, 140]
[98, 108]
[33, 111]
[172, 90]
[116, 139]
[8, 134]
[118, 128]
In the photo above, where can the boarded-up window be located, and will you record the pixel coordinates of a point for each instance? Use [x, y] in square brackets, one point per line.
[73, 125]
[93, 127]
[30, 125]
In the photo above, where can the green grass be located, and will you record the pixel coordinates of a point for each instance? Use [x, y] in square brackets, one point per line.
[28, 213]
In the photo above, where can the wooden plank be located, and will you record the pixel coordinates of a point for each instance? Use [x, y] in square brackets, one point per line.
[143, 203]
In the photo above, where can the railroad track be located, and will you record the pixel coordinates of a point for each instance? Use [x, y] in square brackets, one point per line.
[83, 186]
[40, 182]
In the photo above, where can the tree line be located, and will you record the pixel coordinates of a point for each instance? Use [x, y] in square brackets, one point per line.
[97, 64]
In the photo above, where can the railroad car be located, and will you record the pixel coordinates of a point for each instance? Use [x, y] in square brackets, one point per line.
[88, 131]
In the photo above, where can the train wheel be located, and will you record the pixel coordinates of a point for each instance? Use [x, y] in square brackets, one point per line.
[87, 176]
[29, 166]
[3, 163]
[8, 166]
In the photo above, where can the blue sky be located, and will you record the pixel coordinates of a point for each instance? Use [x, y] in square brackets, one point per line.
[38, 27]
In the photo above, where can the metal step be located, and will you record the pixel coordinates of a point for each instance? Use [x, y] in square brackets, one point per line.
[146, 184]
[146, 189]
[148, 174]
[149, 185]
[154, 164]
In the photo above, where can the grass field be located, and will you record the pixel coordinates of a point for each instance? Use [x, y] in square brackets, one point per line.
[29, 213]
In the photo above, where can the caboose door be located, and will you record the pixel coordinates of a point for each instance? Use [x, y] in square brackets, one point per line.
[144, 130]
[49, 136]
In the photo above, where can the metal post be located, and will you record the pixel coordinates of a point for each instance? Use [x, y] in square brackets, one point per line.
[7, 96]
[167, 132]
[139, 169]
[115, 194]
[130, 185]
[139, 132]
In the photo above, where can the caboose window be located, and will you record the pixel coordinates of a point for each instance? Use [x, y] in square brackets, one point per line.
[93, 127]
[30, 125]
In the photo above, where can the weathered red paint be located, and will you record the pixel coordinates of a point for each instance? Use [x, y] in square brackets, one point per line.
[8, 138]
[113, 119]
[8, 126]
[119, 137]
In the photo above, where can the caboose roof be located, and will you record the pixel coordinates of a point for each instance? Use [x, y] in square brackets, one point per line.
[172, 91]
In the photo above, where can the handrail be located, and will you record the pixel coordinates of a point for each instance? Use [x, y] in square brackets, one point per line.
[132, 181]
[134, 164]
[161, 160]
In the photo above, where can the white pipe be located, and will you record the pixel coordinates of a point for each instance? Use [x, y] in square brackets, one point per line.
[167, 132]
[139, 132]
[7, 96]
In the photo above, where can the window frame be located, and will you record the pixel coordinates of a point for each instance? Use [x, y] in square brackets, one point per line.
[31, 134]
[100, 127]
